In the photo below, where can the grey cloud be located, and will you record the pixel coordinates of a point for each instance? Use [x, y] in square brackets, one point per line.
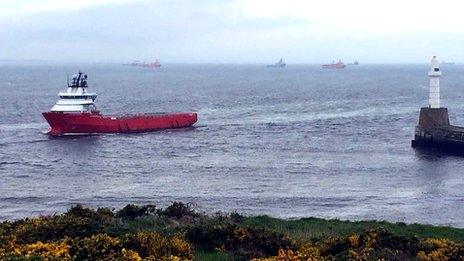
[198, 31]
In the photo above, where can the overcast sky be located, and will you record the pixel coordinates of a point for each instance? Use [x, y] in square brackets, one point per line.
[235, 31]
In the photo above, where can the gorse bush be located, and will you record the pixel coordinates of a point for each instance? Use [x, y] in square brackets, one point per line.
[290, 255]
[178, 210]
[133, 211]
[178, 232]
[81, 234]
[248, 242]
[140, 245]
[149, 246]
[377, 244]
[99, 247]
[77, 222]
[156, 246]
[440, 249]
[37, 251]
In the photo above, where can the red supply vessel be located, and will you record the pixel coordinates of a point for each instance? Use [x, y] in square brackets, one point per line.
[155, 64]
[75, 113]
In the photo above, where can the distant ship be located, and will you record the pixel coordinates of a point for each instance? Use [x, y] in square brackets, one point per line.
[155, 64]
[447, 63]
[279, 64]
[333, 65]
[135, 63]
[75, 113]
[354, 63]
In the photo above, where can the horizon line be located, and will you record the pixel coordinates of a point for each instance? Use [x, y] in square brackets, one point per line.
[3, 61]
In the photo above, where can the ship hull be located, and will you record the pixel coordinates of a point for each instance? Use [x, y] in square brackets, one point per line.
[63, 123]
[333, 66]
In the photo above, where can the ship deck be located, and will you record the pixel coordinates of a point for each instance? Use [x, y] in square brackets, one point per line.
[150, 114]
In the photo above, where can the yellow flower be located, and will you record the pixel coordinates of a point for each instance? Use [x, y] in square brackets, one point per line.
[44, 250]
[354, 240]
[129, 255]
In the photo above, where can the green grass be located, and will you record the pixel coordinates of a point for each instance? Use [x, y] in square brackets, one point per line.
[308, 228]
[316, 228]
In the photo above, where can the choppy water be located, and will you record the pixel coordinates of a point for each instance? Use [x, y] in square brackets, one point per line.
[291, 142]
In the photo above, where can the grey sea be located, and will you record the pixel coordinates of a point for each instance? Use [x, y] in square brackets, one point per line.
[293, 142]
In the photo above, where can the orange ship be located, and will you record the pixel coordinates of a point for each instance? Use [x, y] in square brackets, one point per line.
[333, 65]
[156, 64]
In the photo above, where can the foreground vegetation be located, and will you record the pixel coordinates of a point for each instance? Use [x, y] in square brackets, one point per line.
[178, 232]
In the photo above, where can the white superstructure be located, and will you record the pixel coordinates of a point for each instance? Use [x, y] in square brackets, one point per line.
[76, 98]
[434, 86]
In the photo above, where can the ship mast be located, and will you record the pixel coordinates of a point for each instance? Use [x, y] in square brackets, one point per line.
[76, 98]
[434, 85]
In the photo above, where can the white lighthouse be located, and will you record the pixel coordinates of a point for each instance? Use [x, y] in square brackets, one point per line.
[434, 86]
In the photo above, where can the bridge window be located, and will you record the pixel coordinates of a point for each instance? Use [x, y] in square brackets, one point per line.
[74, 97]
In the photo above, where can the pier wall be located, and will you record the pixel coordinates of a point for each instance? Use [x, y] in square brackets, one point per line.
[434, 130]
[433, 117]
